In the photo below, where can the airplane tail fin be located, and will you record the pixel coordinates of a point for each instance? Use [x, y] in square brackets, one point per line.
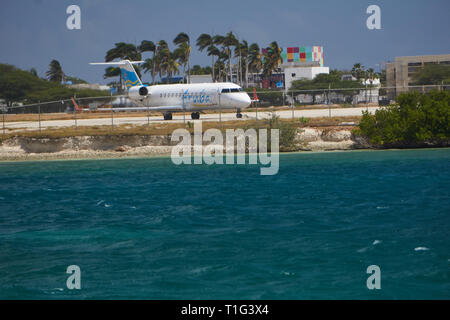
[129, 75]
[77, 107]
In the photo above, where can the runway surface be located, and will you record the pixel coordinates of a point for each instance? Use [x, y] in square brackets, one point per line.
[264, 114]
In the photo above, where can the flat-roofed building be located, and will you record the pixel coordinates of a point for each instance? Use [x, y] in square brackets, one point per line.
[399, 74]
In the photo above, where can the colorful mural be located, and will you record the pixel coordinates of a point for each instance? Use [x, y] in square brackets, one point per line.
[302, 54]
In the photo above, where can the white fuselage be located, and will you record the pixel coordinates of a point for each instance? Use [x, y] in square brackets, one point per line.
[194, 97]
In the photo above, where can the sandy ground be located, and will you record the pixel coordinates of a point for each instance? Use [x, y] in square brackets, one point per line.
[316, 113]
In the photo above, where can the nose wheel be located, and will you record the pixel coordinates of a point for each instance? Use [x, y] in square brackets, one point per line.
[239, 114]
[195, 115]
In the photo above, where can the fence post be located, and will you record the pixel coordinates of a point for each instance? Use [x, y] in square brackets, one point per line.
[220, 113]
[75, 114]
[328, 100]
[3, 116]
[112, 114]
[39, 115]
[293, 105]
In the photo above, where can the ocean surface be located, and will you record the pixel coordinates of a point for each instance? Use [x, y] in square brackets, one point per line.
[147, 229]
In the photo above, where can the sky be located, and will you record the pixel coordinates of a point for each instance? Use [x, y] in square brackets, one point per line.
[34, 32]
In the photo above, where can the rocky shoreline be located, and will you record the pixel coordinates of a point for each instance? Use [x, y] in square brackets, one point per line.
[120, 146]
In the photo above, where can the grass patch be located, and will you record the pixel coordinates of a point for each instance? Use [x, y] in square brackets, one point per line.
[168, 128]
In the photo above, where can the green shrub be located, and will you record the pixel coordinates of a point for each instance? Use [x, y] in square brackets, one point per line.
[287, 133]
[416, 120]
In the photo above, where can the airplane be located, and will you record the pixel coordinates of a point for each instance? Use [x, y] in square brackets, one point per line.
[169, 98]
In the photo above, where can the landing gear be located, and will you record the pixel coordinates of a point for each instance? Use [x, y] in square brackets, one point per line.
[239, 114]
[195, 115]
[168, 116]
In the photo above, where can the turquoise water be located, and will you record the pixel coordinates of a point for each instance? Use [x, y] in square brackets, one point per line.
[147, 229]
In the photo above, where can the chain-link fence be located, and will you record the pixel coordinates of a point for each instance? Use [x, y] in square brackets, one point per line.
[342, 96]
[101, 111]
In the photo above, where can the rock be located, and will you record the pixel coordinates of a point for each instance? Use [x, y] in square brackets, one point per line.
[120, 149]
[309, 134]
[336, 135]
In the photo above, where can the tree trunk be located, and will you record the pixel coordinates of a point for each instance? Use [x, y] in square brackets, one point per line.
[213, 77]
[189, 70]
[229, 65]
[153, 70]
[246, 72]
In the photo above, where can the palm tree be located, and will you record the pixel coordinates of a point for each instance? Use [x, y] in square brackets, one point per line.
[227, 41]
[149, 66]
[272, 59]
[149, 46]
[171, 66]
[55, 73]
[358, 71]
[161, 57]
[182, 39]
[213, 51]
[206, 41]
[255, 59]
[123, 51]
[241, 50]
[181, 55]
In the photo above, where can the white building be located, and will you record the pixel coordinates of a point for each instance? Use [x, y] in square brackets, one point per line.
[292, 73]
[201, 78]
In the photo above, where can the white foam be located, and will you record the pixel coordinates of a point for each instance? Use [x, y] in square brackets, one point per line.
[421, 249]
[376, 242]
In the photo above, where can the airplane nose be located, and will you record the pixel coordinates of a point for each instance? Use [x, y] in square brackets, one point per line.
[245, 101]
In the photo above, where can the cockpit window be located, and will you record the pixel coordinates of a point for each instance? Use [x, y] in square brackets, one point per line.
[232, 90]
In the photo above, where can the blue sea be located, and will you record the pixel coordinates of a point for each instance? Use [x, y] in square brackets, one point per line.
[147, 229]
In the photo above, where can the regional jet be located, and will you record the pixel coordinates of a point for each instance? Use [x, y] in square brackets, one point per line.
[171, 98]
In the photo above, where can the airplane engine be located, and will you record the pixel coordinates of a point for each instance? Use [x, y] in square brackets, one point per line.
[138, 93]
